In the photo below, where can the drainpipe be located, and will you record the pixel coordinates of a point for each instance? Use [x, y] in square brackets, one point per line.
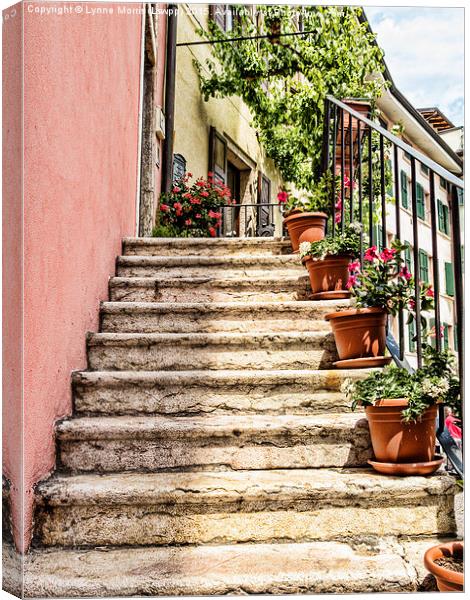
[170, 80]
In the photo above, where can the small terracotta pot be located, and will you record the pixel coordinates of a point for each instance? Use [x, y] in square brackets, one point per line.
[395, 441]
[359, 333]
[328, 274]
[447, 580]
[305, 227]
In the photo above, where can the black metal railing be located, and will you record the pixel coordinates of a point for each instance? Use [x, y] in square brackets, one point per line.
[251, 220]
[357, 148]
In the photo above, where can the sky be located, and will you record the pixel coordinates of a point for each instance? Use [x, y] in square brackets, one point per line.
[424, 52]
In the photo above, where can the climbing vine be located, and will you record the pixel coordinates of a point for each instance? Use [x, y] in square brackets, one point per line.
[284, 80]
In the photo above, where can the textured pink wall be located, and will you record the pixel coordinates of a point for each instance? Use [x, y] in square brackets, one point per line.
[12, 278]
[81, 101]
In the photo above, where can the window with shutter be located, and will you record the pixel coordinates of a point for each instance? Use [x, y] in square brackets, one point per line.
[446, 335]
[449, 271]
[424, 169]
[420, 202]
[408, 258]
[404, 189]
[218, 156]
[440, 215]
[423, 266]
[380, 244]
[411, 335]
[445, 218]
[456, 339]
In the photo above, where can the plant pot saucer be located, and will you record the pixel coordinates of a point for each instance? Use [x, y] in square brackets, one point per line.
[419, 468]
[363, 363]
[331, 295]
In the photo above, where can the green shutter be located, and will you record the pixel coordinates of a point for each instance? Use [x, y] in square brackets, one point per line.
[411, 334]
[408, 260]
[423, 266]
[456, 338]
[449, 270]
[380, 230]
[404, 189]
[420, 204]
[445, 218]
[440, 215]
[424, 169]
[446, 335]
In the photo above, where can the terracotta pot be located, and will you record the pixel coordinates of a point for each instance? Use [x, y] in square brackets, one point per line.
[359, 333]
[395, 441]
[305, 227]
[328, 274]
[447, 580]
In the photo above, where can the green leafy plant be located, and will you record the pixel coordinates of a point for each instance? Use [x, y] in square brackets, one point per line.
[285, 80]
[434, 383]
[319, 200]
[192, 209]
[343, 244]
[385, 282]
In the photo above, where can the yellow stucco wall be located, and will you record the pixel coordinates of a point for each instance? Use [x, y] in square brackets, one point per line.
[194, 117]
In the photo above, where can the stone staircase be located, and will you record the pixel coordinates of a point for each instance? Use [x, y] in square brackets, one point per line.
[211, 450]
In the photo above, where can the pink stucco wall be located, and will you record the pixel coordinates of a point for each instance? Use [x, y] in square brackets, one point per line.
[81, 107]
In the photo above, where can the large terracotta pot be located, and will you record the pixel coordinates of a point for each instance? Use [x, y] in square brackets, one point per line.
[305, 227]
[359, 333]
[329, 274]
[395, 441]
[447, 580]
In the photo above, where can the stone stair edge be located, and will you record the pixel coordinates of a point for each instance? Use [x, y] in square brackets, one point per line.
[292, 305]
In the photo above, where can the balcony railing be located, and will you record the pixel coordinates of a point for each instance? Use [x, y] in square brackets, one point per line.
[358, 149]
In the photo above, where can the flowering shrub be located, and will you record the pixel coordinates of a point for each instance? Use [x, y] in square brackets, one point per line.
[192, 209]
[343, 244]
[317, 201]
[434, 383]
[385, 282]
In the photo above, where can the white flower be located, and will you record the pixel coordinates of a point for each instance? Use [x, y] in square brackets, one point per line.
[435, 388]
[304, 248]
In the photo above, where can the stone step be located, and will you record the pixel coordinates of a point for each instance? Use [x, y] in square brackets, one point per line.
[209, 317]
[335, 567]
[178, 351]
[181, 393]
[111, 444]
[209, 289]
[203, 266]
[227, 507]
[268, 246]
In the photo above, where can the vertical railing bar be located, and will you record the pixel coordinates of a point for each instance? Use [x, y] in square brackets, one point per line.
[326, 137]
[351, 170]
[382, 192]
[458, 282]
[416, 261]
[359, 183]
[333, 170]
[371, 192]
[401, 321]
[343, 166]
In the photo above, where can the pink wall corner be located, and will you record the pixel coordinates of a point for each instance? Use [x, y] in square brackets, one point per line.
[12, 279]
[81, 109]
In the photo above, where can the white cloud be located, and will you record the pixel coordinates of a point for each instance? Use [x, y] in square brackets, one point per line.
[424, 51]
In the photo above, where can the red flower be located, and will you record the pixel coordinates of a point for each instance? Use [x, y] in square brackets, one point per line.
[188, 222]
[195, 200]
[210, 174]
[176, 190]
[205, 194]
[370, 254]
[387, 254]
[189, 174]
[354, 266]
[351, 281]
[214, 215]
[198, 216]
[429, 293]
[201, 183]
[212, 231]
[339, 204]
[164, 207]
[347, 182]
[337, 217]
[282, 197]
[405, 273]
[411, 304]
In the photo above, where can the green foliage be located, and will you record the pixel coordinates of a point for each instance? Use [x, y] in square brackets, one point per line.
[319, 200]
[343, 244]
[284, 81]
[434, 383]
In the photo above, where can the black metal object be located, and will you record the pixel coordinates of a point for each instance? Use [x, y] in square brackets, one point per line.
[249, 220]
[375, 137]
[170, 86]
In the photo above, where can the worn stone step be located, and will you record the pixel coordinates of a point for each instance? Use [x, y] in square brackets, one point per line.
[335, 567]
[178, 351]
[197, 266]
[210, 289]
[212, 392]
[201, 317]
[213, 507]
[268, 246]
[110, 444]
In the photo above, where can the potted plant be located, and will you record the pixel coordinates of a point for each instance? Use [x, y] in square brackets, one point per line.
[445, 562]
[306, 215]
[381, 287]
[327, 262]
[401, 408]
[192, 209]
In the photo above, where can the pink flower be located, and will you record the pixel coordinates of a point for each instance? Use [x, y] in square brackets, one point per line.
[387, 254]
[198, 216]
[429, 293]
[214, 215]
[371, 254]
[347, 182]
[405, 273]
[164, 207]
[176, 189]
[433, 332]
[282, 197]
[210, 174]
[354, 266]
[411, 304]
[204, 194]
[337, 217]
[189, 174]
[195, 200]
[338, 205]
[351, 281]
[201, 183]
[179, 209]
[188, 222]
[212, 231]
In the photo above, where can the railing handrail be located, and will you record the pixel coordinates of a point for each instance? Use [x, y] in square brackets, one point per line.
[422, 158]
